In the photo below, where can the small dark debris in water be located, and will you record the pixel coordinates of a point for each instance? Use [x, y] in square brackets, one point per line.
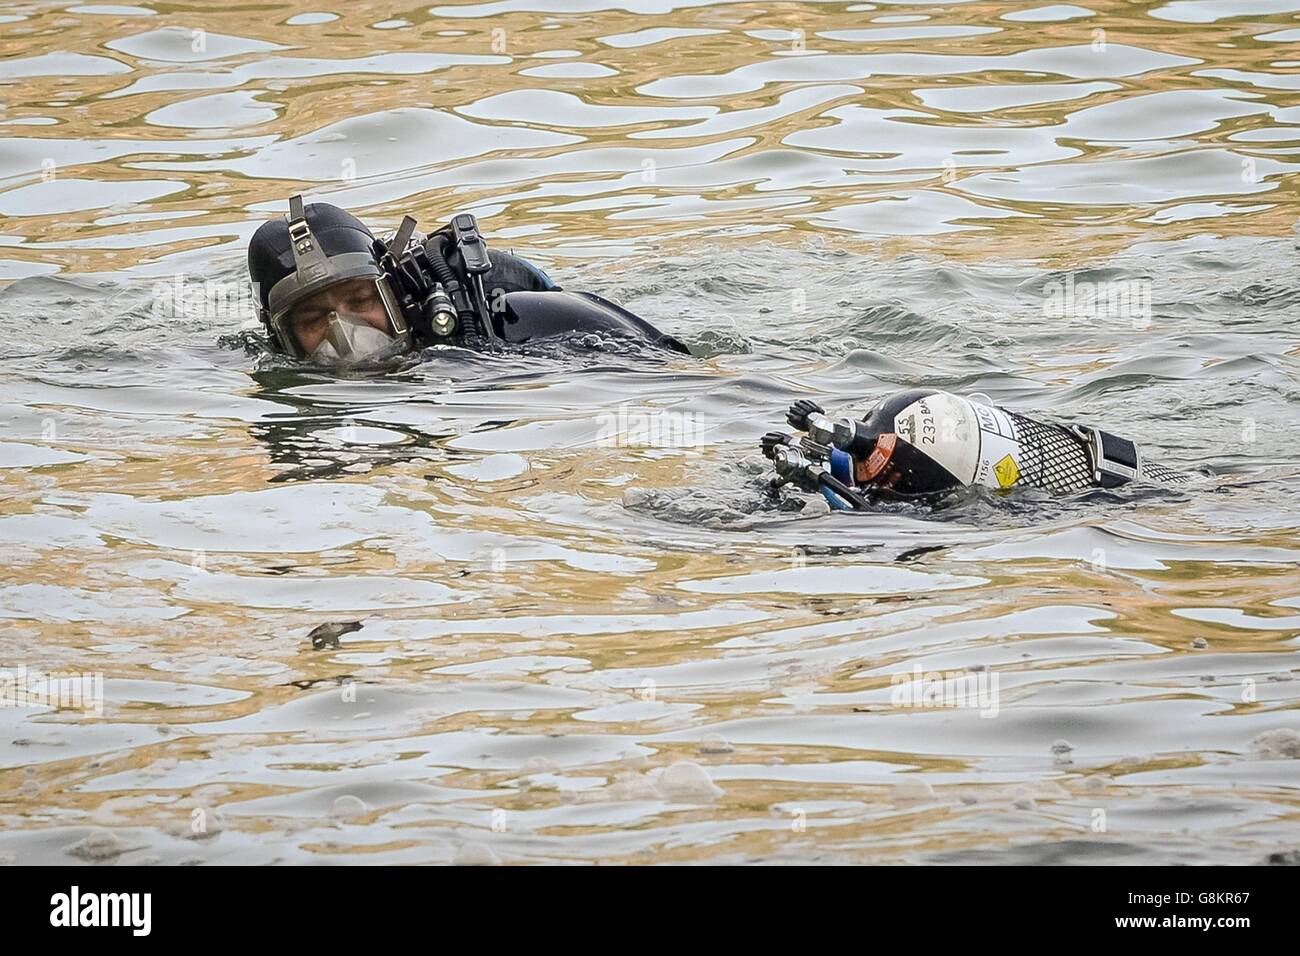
[308, 684]
[842, 550]
[836, 611]
[1284, 858]
[915, 553]
[327, 635]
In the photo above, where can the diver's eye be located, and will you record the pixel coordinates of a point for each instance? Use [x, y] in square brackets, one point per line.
[307, 323]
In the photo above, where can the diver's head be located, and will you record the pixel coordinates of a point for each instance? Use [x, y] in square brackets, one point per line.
[322, 293]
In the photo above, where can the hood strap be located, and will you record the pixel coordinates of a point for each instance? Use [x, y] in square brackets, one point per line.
[310, 263]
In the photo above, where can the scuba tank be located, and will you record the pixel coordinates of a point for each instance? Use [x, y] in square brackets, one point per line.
[924, 443]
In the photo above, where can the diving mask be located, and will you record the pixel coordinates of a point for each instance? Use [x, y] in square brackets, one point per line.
[345, 323]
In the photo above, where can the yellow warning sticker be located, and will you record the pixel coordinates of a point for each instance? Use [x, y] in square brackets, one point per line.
[1007, 471]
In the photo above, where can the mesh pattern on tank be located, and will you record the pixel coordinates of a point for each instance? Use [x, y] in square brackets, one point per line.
[1154, 472]
[1051, 457]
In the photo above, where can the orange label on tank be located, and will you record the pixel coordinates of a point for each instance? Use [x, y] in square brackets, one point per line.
[878, 459]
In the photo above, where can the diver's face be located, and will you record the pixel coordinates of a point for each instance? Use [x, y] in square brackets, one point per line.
[355, 298]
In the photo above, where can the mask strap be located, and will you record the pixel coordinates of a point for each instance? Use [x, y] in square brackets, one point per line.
[309, 261]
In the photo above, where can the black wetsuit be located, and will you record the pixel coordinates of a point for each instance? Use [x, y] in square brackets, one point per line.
[527, 306]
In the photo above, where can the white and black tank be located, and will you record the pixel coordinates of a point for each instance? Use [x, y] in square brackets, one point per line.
[923, 443]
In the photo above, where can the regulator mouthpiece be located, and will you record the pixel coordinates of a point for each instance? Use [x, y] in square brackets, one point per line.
[349, 340]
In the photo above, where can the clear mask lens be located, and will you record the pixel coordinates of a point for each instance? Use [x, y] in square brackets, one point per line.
[355, 320]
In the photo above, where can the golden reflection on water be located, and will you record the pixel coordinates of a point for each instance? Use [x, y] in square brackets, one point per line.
[568, 644]
[641, 153]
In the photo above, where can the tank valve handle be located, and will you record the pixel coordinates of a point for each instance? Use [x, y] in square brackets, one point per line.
[798, 414]
[771, 441]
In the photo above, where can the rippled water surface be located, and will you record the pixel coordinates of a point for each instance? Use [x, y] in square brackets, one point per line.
[578, 649]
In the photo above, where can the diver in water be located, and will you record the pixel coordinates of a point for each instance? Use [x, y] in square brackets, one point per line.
[924, 444]
[328, 292]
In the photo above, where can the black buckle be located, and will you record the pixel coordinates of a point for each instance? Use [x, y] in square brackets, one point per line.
[298, 229]
[309, 262]
[1115, 461]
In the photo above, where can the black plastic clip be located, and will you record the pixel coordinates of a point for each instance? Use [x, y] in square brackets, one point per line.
[473, 250]
[1115, 461]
